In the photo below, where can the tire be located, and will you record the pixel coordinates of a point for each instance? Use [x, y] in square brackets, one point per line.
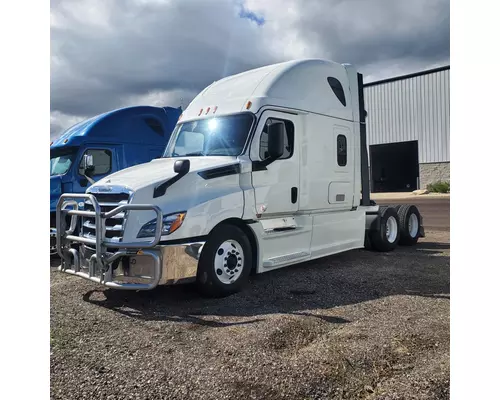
[216, 276]
[387, 237]
[409, 224]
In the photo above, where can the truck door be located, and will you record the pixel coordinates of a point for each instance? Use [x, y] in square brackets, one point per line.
[276, 185]
[105, 162]
[341, 188]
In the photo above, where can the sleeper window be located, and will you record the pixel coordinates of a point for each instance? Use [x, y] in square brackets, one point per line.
[337, 88]
[289, 139]
[102, 161]
[341, 150]
[155, 125]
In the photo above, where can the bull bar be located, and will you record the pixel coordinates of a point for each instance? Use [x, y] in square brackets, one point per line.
[101, 260]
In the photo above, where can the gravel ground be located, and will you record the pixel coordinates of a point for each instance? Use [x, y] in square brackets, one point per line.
[359, 325]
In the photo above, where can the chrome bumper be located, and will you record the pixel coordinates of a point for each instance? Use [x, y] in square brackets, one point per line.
[130, 266]
[136, 270]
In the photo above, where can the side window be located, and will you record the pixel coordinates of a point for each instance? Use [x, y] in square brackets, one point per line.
[289, 139]
[341, 150]
[337, 88]
[190, 142]
[102, 161]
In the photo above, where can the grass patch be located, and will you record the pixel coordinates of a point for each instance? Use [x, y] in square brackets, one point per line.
[439, 187]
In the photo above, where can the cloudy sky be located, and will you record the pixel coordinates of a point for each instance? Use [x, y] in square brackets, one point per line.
[106, 54]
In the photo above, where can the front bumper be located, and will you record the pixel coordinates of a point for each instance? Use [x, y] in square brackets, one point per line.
[120, 265]
[136, 270]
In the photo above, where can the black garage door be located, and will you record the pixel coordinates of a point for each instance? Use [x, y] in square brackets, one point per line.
[394, 167]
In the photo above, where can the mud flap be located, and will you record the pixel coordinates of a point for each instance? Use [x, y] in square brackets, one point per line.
[421, 231]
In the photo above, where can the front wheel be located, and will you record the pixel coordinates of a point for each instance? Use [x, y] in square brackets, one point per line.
[225, 262]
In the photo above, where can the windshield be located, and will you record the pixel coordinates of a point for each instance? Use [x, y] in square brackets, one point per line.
[60, 161]
[224, 136]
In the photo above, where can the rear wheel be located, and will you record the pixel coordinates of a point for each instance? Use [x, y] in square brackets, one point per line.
[225, 263]
[387, 237]
[409, 224]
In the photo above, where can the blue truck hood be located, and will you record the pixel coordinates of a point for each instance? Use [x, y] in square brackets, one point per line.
[55, 191]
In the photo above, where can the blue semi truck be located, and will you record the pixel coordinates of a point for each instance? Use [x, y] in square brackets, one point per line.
[102, 145]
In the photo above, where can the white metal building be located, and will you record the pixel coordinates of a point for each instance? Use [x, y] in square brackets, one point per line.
[408, 130]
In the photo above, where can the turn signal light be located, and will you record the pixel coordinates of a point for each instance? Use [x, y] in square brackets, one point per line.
[178, 222]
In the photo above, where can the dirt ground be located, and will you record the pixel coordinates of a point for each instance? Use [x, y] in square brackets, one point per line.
[360, 325]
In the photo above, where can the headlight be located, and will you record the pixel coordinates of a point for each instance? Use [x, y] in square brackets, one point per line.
[171, 223]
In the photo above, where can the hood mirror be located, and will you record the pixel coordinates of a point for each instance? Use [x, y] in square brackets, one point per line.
[182, 167]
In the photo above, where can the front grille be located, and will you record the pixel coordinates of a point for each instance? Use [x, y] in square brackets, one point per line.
[114, 225]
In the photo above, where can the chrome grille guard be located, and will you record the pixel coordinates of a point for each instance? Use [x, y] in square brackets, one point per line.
[101, 260]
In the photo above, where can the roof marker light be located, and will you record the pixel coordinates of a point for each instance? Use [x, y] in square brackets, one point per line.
[208, 109]
[200, 112]
[51, 143]
[215, 109]
[65, 141]
[249, 104]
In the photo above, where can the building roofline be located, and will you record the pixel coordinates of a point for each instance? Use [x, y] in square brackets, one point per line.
[408, 76]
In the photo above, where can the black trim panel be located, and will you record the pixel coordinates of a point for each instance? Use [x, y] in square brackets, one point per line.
[294, 193]
[185, 240]
[219, 172]
[162, 188]
[365, 179]
[284, 229]
[259, 166]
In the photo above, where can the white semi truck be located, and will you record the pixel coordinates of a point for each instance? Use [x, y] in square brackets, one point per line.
[264, 169]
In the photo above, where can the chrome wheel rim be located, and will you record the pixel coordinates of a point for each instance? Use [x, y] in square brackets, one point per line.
[413, 225]
[391, 229]
[229, 261]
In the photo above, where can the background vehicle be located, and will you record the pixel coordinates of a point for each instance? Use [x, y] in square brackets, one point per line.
[264, 169]
[114, 140]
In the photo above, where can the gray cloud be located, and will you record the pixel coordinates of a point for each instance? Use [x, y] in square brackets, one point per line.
[372, 34]
[382, 30]
[110, 54]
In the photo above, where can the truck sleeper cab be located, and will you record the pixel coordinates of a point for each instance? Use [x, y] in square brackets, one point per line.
[264, 169]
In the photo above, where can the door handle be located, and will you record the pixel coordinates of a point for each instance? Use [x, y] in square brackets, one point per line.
[294, 193]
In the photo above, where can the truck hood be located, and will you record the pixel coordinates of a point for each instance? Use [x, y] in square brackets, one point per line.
[159, 170]
[55, 191]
